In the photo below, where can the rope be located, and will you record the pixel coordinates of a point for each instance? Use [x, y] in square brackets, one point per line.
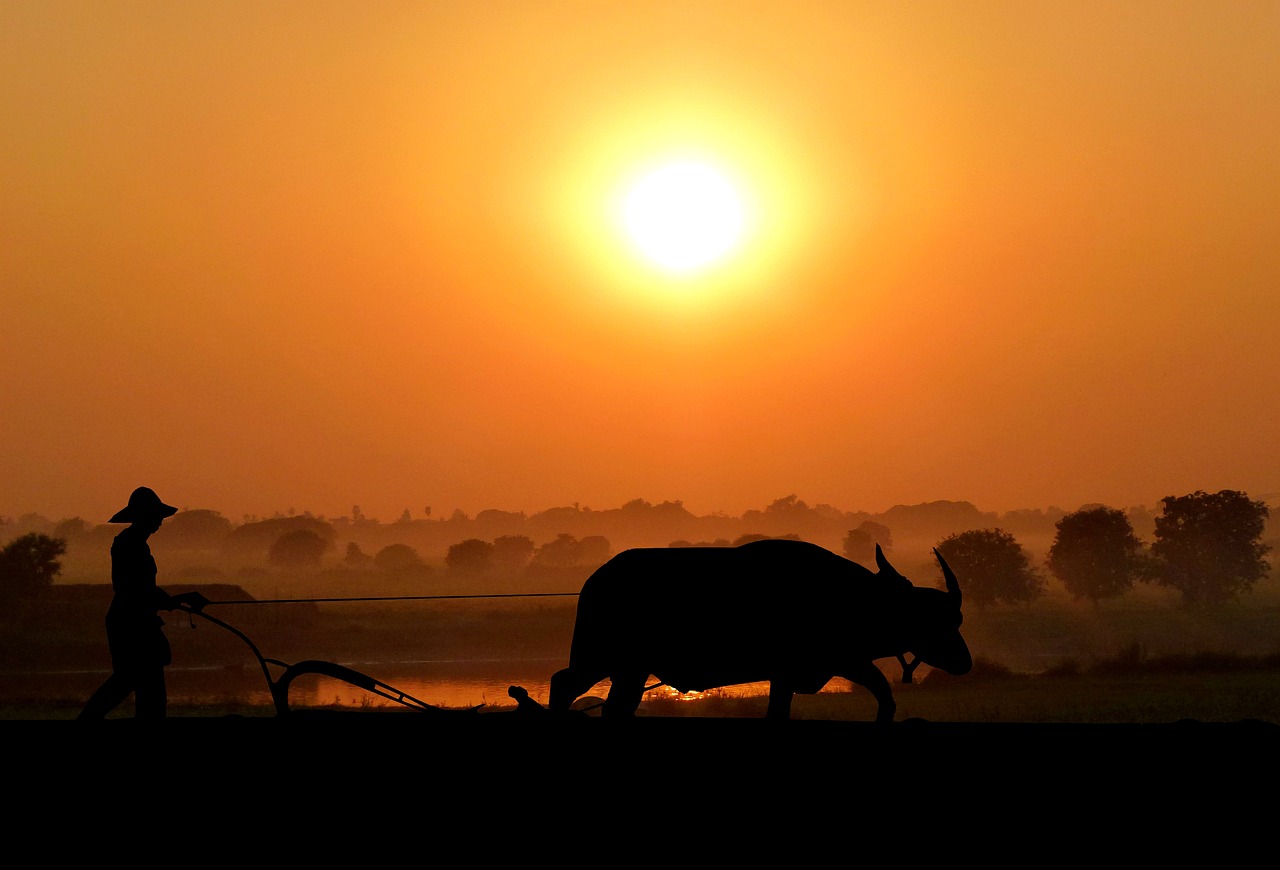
[393, 598]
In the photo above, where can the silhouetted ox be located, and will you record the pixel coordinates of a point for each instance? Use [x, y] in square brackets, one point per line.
[787, 612]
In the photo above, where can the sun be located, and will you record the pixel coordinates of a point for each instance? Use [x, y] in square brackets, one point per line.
[683, 216]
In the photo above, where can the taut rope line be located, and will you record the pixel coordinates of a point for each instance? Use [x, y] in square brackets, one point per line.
[393, 598]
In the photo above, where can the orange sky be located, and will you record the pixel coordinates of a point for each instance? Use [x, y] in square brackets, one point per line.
[274, 256]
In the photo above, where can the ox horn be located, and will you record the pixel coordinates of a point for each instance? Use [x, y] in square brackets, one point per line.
[883, 563]
[953, 585]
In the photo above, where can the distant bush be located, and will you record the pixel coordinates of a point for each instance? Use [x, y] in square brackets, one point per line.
[1129, 660]
[983, 669]
[1063, 668]
[356, 557]
[1209, 545]
[472, 556]
[513, 551]
[1096, 555]
[398, 559]
[301, 548]
[1132, 660]
[567, 551]
[992, 566]
[28, 565]
[752, 537]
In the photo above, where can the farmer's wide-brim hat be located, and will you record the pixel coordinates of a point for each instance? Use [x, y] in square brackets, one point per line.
[144, 504]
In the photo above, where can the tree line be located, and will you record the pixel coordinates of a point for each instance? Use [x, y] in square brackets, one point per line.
[1207, 546]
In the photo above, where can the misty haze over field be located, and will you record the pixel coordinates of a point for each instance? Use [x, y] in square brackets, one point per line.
[200, 544]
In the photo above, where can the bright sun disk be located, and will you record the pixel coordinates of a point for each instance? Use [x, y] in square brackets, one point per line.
[683, 216]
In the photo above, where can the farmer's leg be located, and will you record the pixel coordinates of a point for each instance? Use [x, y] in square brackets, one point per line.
[107, 697]
[150, 695]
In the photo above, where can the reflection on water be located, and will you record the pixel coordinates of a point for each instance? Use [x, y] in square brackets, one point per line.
[439, 683]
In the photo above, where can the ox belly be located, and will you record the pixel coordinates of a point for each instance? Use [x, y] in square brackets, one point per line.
[702, 620]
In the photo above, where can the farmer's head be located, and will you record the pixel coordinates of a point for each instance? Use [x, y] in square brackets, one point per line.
[145, 509]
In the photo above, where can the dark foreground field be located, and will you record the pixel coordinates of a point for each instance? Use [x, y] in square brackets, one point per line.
[507, 787]
[1122, 746]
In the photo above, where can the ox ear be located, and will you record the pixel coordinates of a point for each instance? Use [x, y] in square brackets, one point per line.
[953, 586]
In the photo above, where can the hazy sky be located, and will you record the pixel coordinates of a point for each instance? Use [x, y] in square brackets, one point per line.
[265, 256]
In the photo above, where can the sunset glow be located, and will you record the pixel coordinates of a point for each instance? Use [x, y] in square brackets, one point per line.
[539, 254]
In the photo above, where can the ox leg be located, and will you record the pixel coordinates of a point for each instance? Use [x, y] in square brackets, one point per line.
[567, 686]
[780, 695]
[873, 679]
[624, 694]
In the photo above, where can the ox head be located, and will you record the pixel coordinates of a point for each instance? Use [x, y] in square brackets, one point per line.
[932, 622]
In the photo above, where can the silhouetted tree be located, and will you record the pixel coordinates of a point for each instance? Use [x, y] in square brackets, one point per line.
[71, 529]
[1095, 554]
[859, 546]
[880, 533]
[992, 567]
[356, 557]
[255, 539]
[1208, 545]
[756, 536]
[594, 550]
[398, 559]
[28, 565]
[860, 543]
[33, 522]
[301, 548]
[471, 556]
[513, 551]
[785, 505]
[557, 553]
[566, 551]
[194, 529]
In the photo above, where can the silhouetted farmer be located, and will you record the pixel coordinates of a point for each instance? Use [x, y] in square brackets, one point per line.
[135, 632]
